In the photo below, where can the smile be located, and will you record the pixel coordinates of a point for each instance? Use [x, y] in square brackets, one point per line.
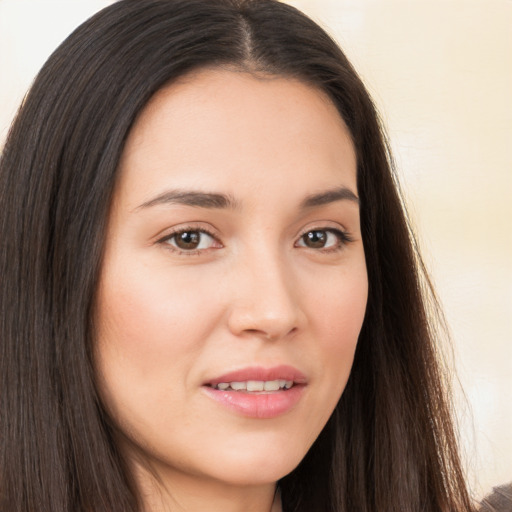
[255, 385]
[256, 392]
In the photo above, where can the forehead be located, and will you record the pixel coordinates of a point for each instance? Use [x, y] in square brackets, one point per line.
[237, 131]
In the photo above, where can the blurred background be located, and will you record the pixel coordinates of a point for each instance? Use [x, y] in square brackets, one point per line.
[440, 72]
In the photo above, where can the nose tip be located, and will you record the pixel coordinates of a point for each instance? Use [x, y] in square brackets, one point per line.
[257, 325]
[265, 307]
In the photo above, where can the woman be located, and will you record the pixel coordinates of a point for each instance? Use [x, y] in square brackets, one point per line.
[202, 240]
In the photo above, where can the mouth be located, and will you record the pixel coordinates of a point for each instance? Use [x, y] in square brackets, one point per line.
[258, 392]
[254, 386]
[256, 379]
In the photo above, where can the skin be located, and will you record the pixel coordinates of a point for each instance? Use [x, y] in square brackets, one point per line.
[252, 293]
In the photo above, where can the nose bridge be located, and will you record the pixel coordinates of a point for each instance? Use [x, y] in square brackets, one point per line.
[266, 301]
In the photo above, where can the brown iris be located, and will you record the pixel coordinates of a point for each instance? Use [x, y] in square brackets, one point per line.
[188, 240]
[315, 239]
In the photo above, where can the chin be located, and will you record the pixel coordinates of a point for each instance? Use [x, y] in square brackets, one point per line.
[256, 475]
[257, 466]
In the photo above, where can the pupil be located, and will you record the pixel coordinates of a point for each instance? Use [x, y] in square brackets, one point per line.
[315, 239]
[188, 240]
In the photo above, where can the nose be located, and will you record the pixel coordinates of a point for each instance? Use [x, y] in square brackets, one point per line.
[265, 300]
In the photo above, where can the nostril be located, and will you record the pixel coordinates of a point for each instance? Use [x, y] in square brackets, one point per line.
[270, 336]
[262, 333]
[269, 318]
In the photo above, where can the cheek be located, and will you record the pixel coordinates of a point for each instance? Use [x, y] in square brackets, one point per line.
[337, 320]
[343, 313]
[339, 303]
[147, 338]
[144, 316]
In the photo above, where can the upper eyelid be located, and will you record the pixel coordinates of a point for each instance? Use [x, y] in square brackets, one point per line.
[302, 232]
[327, 229]
[170, 232]
[185, 230]
[323, 226]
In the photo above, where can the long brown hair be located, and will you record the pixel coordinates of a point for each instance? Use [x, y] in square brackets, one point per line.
[389, 445]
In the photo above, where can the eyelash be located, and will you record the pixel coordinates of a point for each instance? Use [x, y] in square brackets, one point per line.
[344, 238]
[190, 229]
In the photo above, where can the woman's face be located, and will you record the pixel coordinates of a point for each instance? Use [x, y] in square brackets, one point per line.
[233, 269]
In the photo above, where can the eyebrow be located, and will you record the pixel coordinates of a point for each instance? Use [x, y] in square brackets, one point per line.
[329, 196]
[193, 198]
[214, 200]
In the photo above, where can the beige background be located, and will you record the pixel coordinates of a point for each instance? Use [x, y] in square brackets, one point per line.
[440, 72]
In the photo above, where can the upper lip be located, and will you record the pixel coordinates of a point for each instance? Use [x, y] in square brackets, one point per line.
[282, 372]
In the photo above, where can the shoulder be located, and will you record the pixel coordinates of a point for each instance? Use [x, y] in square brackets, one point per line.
[500, 500]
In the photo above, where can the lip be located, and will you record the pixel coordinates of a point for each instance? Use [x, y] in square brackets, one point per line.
[258, 405]
[284, 372]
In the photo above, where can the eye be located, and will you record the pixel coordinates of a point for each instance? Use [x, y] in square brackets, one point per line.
[191, 240]
[330, 239]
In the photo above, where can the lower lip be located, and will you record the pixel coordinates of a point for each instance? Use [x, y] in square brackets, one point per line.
[259, 405]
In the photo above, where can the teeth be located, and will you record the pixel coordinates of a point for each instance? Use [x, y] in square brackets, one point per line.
[271, 385]
[255, 385]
